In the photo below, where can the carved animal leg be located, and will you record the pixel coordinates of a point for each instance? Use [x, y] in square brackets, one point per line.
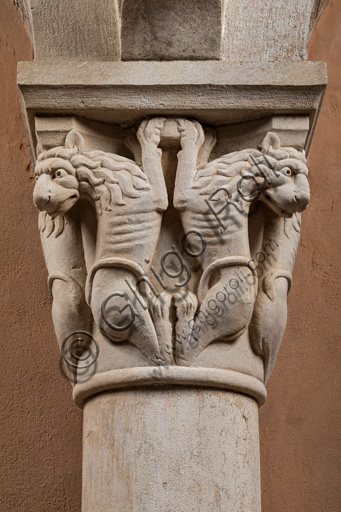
[160, 312]
[191, 139]
[130, 140]
[149, 136]
[63, 251]
[268, 321]
[224, 313]
[186, 304]
[70, 313]
[122, 315]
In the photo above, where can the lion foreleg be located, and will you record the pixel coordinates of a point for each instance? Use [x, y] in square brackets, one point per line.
[149, 136]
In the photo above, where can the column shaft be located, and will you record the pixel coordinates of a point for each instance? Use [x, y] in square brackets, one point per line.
[171, 450]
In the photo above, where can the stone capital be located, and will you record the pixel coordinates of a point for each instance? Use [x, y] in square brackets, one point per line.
[163, 259]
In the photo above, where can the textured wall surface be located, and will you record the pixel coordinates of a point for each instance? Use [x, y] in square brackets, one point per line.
[40, 429]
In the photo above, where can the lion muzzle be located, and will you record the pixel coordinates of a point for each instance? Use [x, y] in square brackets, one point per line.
[53, 197]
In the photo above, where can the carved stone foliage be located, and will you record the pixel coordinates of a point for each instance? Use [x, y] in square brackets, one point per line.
[170, 259]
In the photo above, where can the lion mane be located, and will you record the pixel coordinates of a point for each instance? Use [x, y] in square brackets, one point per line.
[220, 172]
[105, 179]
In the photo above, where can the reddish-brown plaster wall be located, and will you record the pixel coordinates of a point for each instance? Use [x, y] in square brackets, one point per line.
[300, 422]
[40, 428]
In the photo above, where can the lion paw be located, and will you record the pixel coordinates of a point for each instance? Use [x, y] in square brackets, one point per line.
[160, 313]
[191, 133]
[149, 131]
[160, 306]
[186, 304]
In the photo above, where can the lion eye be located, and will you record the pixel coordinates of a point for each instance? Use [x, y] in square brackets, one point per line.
[287, 171]
[60, 173]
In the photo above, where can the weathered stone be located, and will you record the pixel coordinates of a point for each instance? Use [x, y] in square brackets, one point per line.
[176, 449]
[154, 30]
[292, 130]
[51, 131]
[117, 210]
[232, 30]
[215, 93]
[79, 30]
[267, 31]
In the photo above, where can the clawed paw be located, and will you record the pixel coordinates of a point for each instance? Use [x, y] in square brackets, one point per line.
[186, 304]
[160, 312]
[159, 306]
[149, 131]
[191, 133]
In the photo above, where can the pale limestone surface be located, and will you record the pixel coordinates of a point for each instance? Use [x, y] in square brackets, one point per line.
[267, 30]
[215, 93]
[188, 450]
[154, 30]
[281, 75]
[77, 30]
[292, 131]
[231, 30]
[139, 244]
[52, 132]
[222, 235]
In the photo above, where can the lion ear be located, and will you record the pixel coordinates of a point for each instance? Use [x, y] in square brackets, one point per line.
[270, 140]
[74, 139]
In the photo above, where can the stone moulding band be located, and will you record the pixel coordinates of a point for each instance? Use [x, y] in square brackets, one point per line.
[214, 92]
[146, 73]
[157, 376]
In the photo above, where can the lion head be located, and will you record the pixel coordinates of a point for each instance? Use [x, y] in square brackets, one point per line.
[286, 186]
[272, 174]
[66, 173]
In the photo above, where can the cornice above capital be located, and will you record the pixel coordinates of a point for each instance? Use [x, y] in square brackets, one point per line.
[214, 93]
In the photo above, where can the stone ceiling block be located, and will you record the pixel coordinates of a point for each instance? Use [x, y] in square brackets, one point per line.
[154, 30]
[231, 30]
[267, 30]
[77, 30]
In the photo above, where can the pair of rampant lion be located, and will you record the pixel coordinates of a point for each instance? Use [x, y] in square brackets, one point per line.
[89, 261]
